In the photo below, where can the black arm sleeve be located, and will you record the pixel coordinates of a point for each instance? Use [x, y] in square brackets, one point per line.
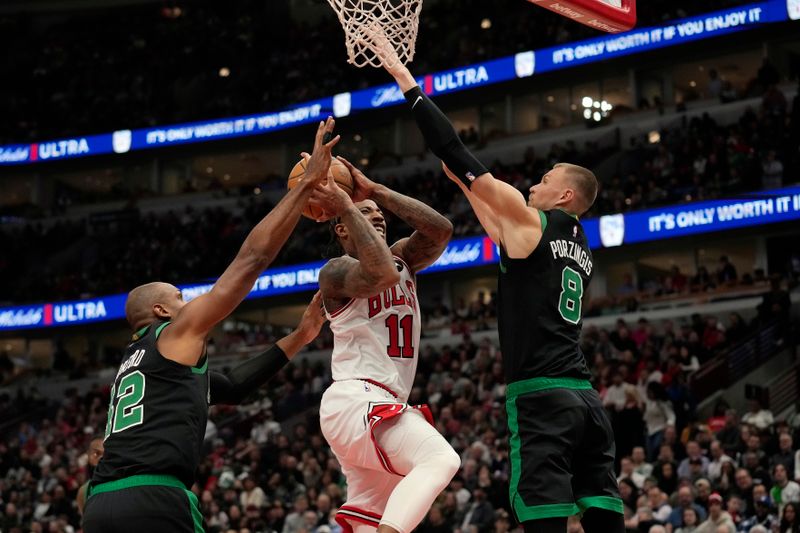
[442, 137]
[244, 379]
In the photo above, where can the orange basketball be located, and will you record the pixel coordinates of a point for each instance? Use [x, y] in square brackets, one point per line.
[340, 174]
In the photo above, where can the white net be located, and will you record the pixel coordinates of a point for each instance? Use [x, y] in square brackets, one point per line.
[379, 32]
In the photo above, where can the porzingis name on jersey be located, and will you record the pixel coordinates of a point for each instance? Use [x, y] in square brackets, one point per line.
[572, 250]
[393, 297]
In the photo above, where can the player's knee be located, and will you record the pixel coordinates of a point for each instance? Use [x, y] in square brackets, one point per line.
[450, 462]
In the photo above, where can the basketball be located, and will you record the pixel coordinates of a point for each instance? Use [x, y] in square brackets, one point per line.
[340, 174]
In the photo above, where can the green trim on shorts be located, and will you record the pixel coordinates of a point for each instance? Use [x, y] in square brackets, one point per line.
[153, 480]
[527, 512]
[537, 384]
[609, 503]
[141, 480]
[194, 509]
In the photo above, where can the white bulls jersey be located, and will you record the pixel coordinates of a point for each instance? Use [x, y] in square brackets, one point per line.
[377, 338]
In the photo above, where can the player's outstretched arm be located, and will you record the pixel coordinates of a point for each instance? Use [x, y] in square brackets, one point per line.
[507, 203]
[432, 231]
[233, 387]
[346, 277]
[485, 215]
[183, 340]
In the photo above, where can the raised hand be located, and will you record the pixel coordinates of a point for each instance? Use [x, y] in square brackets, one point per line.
[318, 163]
[363, 187]
[330, 198]
[374, 38]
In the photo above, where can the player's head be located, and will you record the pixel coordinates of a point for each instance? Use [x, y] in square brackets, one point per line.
[568, 187]
[369, 210]
[152, 301]
[96, 451]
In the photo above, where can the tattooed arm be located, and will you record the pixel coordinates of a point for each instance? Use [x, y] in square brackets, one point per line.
[432, 231]
[374, 269]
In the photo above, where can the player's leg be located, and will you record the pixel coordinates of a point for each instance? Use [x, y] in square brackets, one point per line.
[418, 452]
[546, 525]
[544, 426]
[596, 520]
[368, 490]
[594, 483]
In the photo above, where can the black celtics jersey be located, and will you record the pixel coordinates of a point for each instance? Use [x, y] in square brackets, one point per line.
[539, 303]
[157, 415]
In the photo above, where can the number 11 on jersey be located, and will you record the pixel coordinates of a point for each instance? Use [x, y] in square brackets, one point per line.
[394, 323]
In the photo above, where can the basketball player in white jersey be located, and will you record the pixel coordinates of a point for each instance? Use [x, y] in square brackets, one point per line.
[395, 461]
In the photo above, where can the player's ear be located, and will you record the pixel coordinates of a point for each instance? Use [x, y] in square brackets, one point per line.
[160, 311]
[340, 230]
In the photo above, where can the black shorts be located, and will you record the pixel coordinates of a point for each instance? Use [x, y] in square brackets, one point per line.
[142, 503]
[562, 449]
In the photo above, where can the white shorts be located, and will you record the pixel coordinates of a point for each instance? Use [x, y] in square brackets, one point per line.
[349, 414]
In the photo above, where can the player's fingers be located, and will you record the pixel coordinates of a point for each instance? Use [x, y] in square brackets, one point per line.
[333, 142]
[319, 135]
[346, 163]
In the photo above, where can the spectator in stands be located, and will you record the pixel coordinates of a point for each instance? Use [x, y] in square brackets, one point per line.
[716, 517]
[718, 458]
[252, 494]
[772, 177]
[658, 415]
[714, 83]
[702, 281]
[762, 517]
[627, 471]
[658, 502]
[785, 454]
[614, 399]
[729, 434]
[693, 453]
[627, 288]
[726, 271]
[435, 522]
[785, 490]
[640, 463]
[776, 303]
[294, 522]
[736, 329]
[689, 521]
[789, 519]
[686, 502]
[744, 489]
[757, 416]
[479, 514]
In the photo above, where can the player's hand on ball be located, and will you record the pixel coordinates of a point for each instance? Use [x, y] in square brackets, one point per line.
[363, 187]
[313, 318]
[329, 197]
[318, 163]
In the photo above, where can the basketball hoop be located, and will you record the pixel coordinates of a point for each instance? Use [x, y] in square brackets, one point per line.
[363, 19]
[612, 16]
